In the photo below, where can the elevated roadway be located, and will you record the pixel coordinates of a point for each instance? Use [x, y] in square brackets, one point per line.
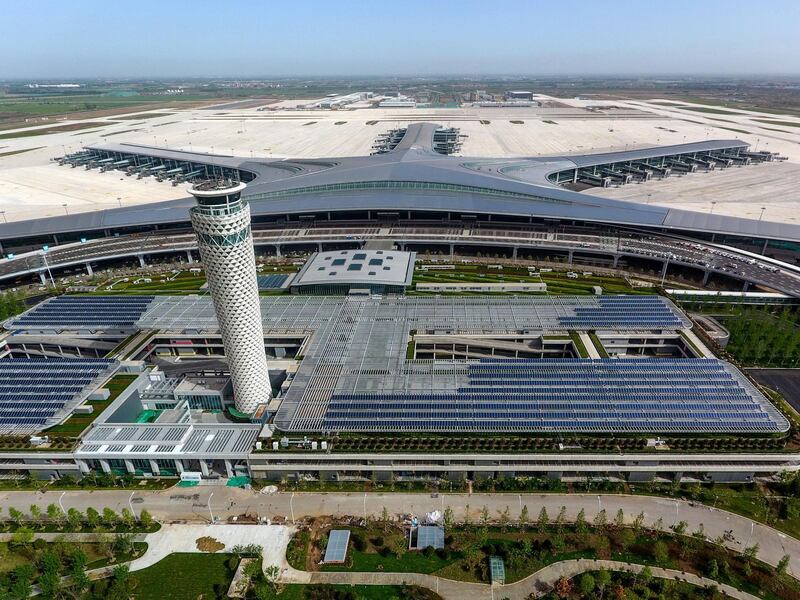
[707, 257]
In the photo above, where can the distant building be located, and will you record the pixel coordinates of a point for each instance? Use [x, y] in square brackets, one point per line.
[519, 95]
[349, 271]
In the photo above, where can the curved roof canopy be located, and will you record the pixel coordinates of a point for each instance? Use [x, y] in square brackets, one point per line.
[415, 177]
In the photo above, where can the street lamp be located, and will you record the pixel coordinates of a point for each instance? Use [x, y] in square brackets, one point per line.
[763, 208]
[60, 503]
[130, 503]
[209, 506]
[2, 212]
[66, 207]
[713, 204]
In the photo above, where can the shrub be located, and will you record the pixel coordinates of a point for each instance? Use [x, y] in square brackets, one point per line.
[359, 543]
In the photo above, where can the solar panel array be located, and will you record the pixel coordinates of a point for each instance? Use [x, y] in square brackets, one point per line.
[336, 550]
[85, 312]
[34, 390]
[272, 282]
[553, 395]
[624, 312]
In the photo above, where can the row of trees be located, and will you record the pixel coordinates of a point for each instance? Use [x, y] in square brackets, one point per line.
[49, 562]
[74, 520]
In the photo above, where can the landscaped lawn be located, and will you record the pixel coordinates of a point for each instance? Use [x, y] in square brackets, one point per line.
[77, 423]
[185, 576]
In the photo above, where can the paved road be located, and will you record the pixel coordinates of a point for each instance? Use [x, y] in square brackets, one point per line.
[192, 505]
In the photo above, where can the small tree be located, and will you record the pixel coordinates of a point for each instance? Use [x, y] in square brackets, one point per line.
[123, 544]
[619, 519]
[626, 539]
[22, 537]
[587, 584]
[751, 552]
[385, 518]
[92, 518]
[543, 520]
[15, 515]
[127, 518]
[36, 513]
[661, 553]
[146, 519]
[602, 579]
[783, 565]
[638, 522]
[680, 527]
[713, 569]
[504, 517]
[580, 522]
[601, 520]
[646, 576]
[524, 517]
[74, 518]
[399, 546]
[54, 513]
[22, 577]
[484, 516]
[467, 516]
[110, 517]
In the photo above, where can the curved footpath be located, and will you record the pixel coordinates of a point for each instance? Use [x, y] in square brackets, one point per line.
[537, 583]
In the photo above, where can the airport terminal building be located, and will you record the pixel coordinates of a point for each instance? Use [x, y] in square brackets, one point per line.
[355, 377]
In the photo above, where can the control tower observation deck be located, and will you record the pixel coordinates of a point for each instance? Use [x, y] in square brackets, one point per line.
[221, 221]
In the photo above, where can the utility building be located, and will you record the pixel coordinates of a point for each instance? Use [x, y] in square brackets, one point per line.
[221, 221]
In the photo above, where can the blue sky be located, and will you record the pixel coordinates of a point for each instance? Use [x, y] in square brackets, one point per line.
[87, 38]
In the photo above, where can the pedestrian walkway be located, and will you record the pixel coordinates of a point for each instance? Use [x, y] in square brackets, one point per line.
[537, 584]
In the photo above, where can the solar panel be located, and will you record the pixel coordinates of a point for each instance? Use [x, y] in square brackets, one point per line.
[84, 312]
[35, 390]
[272, 282]
[430, 536]
[498, 569]
[336, 550]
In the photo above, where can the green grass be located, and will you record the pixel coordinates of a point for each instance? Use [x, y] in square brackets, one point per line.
[362, 592]
[598, 345]
[48, 130]
[77, 423]
[13, 152]
[184, 282]
[145, 116]
[763, 338]
[579, 345]
[184, 576]
[774, 122]
[409, 562]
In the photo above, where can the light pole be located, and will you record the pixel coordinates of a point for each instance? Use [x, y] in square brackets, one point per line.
[47, 266]
[60, 503]
[66, 207]
[209, 507]
[713, 204]
[130, 503]
[763, 208]
[2, 212]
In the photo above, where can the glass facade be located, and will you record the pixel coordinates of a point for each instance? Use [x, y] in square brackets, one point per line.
[424, 186]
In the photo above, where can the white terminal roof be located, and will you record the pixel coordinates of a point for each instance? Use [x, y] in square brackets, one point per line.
[357, 267]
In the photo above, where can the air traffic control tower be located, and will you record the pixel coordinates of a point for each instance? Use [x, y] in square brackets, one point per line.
[221, 221]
